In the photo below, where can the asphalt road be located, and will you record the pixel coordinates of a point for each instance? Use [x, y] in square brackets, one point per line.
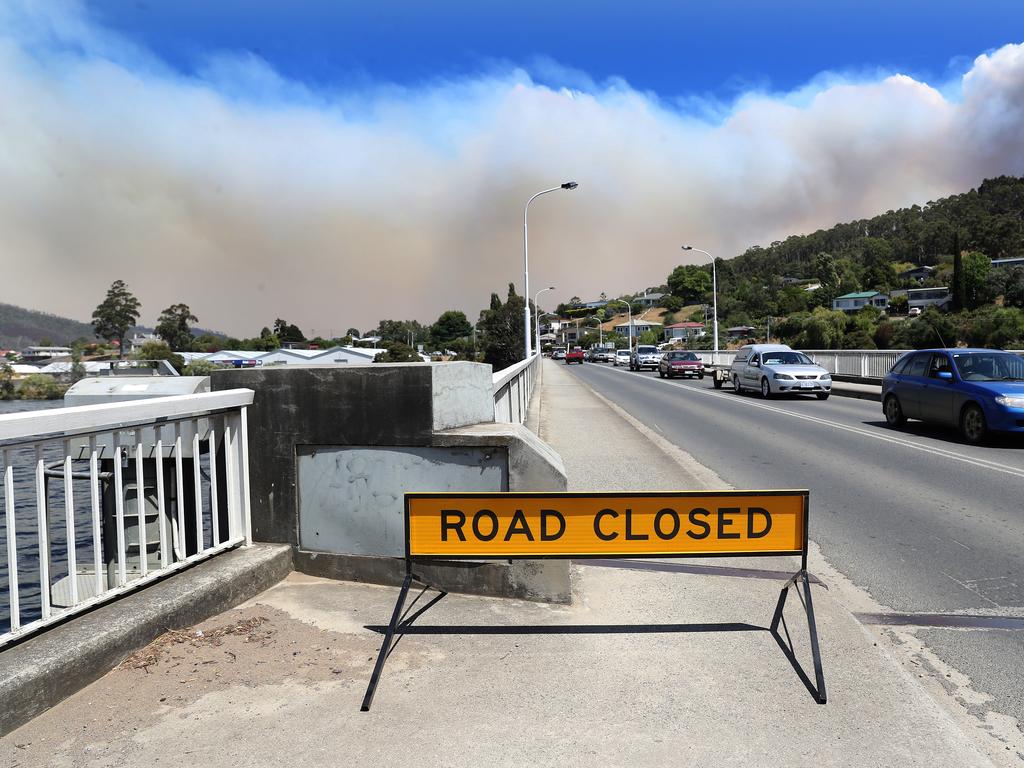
[917, 518]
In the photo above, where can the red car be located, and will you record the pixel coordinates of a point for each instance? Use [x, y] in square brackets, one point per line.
[680, 364]
[574, 355]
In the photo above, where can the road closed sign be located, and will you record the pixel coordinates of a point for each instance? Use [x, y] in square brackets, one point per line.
[580, 525]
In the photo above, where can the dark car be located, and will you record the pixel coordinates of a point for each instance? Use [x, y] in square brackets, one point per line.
[680, 364]
[976, 390]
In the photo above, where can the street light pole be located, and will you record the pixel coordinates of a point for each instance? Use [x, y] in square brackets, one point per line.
[714, 294]
[526, 262]
[629, 309]
[536, 298]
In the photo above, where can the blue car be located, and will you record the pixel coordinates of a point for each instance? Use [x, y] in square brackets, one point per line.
[976, 390]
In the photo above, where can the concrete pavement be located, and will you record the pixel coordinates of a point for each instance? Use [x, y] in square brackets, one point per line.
[626, 675]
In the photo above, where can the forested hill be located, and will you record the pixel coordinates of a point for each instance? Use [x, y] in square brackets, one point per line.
[20, 328]
[989, 219]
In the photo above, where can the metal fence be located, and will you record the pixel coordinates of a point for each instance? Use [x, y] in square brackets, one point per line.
[99, 500]
[513, 388]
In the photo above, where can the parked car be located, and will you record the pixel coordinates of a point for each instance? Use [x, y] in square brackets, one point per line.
[574, 355]
[558, 353]
[605, 355]
[644, 356]
[775, 368]
[679, 363]
[978, 391]
[621, 357]
[914, 311]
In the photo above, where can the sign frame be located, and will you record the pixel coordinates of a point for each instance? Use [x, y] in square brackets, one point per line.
[801, 577]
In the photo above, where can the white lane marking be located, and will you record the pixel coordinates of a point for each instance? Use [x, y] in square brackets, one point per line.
[942, 452]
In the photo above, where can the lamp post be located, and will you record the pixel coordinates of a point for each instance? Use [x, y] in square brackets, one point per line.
[526, 262]
[714, 295]
[537, 319]
[629, 309]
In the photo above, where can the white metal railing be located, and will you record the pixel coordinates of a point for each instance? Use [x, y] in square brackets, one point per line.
[859, 363]
[99, 500]
[513, 387]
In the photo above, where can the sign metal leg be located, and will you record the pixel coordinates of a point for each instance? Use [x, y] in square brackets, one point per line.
[808, 605]
[385, 646]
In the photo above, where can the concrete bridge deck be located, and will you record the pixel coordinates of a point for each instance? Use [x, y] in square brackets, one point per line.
[623, 676]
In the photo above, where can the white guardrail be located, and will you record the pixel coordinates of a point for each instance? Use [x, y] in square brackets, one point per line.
[99, 500]
[513, 387]
[860, 363]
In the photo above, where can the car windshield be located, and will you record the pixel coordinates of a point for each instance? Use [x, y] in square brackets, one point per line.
[623, 353]
[989, 366]
[785, 358]
[647, 350]
[681, 356]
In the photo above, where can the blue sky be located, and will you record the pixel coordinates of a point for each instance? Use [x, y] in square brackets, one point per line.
[334, 163]
[718, 49]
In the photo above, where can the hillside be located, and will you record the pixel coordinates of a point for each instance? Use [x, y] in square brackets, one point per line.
[23, 327]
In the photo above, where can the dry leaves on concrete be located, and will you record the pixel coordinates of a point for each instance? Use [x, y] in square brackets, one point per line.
[250, 629]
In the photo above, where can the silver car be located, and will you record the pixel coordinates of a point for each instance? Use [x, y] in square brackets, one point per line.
[644, 356]
[773, 369]
[621, 357]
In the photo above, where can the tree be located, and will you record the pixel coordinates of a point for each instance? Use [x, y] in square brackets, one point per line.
[116, 315]
[286, 332]
[6, 381]
[397, 352]
[157, 350]
[450, 325]
[959, 289]
[976, 267]
[199, 368]
[173, 327]
[690, 282]
[502, 326]
[354, 333]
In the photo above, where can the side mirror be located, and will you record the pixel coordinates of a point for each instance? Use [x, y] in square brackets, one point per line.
[946, 375]
[755, 363]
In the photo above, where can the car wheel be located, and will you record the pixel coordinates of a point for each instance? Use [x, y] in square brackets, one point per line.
[736, 385]
[893, 412]
[766, 389]
[700, 375]
[973, 426]
[822, 395]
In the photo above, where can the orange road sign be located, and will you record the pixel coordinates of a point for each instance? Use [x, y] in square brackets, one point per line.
[580, 525]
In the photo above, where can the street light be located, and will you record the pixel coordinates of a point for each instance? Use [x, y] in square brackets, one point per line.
[536, 298]
[714, 294]
[526, 262]
[629, 309]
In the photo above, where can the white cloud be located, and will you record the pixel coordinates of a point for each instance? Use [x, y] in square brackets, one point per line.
[249, 196]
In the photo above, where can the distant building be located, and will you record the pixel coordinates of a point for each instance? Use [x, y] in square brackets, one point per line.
[44, 355]
[917, 273]
[650, 299]
[684, 331]
[639, 326]
[251, 359]
[740, 332]
[1008, 262]
[929, 297]
[595, 304]
[134, 344]
[851, 302]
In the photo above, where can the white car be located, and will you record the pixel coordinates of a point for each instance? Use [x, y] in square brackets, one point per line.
[621, 357]
[558, 353]
[776, 369]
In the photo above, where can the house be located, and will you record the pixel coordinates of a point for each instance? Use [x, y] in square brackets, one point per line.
[44, 354]
[596, 304]
[135, 343]
[917, 273]
[684, 331]
[851, 302]
[929, 297]
[233, 358]
[1012, 262]
[650, 299]
[639, 326]
[740, 332]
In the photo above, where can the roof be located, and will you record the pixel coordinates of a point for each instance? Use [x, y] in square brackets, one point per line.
[687, 324]
[859, 295]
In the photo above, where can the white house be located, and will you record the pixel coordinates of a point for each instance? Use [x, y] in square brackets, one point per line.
[684, 331]
[639, 326]
[851, 302]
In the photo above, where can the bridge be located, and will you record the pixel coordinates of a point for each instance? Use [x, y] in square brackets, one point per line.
[276, 602]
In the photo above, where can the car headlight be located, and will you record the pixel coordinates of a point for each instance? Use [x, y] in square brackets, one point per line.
[1010, 402]
[825, 376]
[785, 376]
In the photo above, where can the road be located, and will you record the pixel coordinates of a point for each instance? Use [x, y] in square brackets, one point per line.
[920, 520]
